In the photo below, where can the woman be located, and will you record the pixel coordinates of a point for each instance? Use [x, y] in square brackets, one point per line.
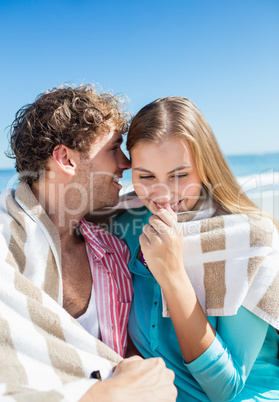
[206, 288]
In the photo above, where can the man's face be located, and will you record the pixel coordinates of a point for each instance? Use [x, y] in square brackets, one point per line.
[100, 172]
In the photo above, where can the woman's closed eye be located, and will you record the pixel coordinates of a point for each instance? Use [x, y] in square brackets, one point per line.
[174, 176]
[146, 177]
[180, 176]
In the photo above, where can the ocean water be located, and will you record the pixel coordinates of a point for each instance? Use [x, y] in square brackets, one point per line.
[255, 173]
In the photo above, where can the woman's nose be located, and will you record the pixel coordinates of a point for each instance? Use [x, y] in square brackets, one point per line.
[161, 193]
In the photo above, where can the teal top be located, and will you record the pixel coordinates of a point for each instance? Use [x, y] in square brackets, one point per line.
[240, 365]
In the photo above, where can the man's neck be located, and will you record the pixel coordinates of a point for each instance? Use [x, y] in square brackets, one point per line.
[76, 272]
[62, 216]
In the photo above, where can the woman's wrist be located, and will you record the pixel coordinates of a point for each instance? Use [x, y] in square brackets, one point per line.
[176, 280]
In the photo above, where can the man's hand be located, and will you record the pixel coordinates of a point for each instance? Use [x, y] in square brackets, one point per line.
[135, 380]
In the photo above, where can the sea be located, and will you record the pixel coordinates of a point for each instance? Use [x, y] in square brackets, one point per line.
[255, 173]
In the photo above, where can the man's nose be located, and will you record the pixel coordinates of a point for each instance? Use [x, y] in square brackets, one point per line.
[123, 162]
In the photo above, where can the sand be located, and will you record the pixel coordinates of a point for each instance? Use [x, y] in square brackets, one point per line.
[268, 201]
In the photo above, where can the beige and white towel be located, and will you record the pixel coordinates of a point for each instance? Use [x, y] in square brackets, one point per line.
[45, 354]
[232, 260]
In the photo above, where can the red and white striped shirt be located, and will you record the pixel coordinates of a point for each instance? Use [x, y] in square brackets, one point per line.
[109, 257]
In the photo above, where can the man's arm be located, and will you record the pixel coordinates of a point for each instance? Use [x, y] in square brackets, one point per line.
[136, 380]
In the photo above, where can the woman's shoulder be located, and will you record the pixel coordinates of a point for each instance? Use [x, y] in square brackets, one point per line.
[125, 220]
[129, 224]
[130, 207]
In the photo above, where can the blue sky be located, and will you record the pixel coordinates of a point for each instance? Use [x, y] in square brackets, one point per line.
[222, 54]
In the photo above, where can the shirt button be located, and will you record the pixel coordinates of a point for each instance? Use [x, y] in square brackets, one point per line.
[153, 326]
[155, 303]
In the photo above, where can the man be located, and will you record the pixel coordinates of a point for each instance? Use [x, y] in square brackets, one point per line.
[64, 282]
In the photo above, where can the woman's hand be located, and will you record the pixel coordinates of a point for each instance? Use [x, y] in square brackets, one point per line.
[162, 246]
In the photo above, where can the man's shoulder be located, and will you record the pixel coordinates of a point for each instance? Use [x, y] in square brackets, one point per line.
[5, 196]
[10, 211]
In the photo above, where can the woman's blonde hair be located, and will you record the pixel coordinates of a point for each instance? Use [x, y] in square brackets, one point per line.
[175, 118]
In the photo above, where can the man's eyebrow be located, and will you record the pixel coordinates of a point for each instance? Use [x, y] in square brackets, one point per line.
[119, 140]
[140, 169]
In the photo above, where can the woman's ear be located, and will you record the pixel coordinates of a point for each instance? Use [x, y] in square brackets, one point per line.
[65, 159]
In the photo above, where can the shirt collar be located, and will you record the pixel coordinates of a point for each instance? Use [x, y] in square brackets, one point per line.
[91, 234]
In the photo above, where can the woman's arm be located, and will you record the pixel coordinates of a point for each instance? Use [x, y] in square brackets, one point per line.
[162, 248]
[193, 330]
[224, 367]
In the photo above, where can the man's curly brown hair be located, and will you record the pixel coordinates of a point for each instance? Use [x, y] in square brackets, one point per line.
[72, 116]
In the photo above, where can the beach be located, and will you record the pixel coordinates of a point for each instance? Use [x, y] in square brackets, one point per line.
[268, 203]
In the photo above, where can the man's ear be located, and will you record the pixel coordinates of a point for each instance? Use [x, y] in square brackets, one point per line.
[65, 159]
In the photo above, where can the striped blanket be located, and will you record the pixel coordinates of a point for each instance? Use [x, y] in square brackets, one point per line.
[45, 354]
[231, 260]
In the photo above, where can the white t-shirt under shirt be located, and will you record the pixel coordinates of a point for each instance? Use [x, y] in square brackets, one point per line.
[89, 320]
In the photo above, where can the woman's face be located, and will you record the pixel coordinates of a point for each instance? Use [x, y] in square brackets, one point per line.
[165, 173]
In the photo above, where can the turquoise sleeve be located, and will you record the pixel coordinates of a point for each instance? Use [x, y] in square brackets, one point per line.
[223, 368]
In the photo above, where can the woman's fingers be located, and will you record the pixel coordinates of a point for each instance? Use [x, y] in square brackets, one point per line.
[161, 245]
[168, 208]
[148, 235]
[164, 222]
[160, 235]
[161, 224]
[144, 242]
[166, 216]
[149, 231]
